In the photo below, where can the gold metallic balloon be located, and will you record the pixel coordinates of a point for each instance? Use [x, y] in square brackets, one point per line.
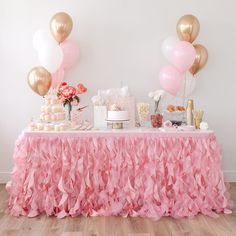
[61, 25]
[200, 58]
[39, 80]
[188, 28]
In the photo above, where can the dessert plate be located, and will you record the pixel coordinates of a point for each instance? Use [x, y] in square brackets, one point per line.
[117, 121]
[186, 128]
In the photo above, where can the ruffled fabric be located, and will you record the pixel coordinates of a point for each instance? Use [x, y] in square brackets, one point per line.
[104, 174]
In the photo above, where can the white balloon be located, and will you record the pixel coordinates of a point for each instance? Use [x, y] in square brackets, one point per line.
[168, 46]
[50, 56]
[40, 37]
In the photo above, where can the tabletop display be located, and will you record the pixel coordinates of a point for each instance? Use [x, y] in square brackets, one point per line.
[164, 161]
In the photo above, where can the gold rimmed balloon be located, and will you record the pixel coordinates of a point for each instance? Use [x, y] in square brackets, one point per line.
[61, 25]
[200, 58]
[188, 28]
[39, 80]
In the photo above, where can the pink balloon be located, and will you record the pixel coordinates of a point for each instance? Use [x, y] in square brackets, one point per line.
[58, 77]
[183, 56]
[70, 50]
[171, 79]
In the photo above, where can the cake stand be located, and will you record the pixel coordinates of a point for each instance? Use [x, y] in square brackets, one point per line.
[117, 124]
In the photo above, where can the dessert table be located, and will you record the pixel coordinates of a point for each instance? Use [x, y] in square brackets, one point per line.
[137, 172]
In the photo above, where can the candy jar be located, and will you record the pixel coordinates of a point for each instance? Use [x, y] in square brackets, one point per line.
[157, 120]
[157, 117]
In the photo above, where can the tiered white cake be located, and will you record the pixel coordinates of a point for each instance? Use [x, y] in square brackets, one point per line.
[117, 115]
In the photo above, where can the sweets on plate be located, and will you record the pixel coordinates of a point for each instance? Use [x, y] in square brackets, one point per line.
[48, 127]
[172, 108]
[52, 110]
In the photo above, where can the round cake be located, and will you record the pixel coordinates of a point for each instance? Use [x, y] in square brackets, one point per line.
[117, 115]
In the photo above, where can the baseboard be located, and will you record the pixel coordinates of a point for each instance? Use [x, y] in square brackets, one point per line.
[5, 177]
[230, 176]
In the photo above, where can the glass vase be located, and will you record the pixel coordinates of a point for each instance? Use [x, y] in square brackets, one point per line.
[157, 117]
[157, 120]
[69, 109]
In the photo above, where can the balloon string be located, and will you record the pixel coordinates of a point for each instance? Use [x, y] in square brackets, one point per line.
[184, 93]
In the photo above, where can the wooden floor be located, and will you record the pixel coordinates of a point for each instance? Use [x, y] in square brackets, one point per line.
[200, 225]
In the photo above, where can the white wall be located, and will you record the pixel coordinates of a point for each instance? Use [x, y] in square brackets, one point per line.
[120, 41]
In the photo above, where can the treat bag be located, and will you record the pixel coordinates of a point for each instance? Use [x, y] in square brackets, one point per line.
[76, 116]
[100, 116]
[129, 105]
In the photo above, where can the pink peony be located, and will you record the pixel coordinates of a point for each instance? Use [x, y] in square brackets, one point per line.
[68, 92]
[82, 88]
[62, 86]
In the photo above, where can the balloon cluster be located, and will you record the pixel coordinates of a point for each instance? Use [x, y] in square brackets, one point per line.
[56, 54]
[184, 57]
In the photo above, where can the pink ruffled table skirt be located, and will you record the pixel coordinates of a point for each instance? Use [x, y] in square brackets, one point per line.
[147, 174]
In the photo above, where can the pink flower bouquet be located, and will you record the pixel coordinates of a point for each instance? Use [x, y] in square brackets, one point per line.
[68, 95]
